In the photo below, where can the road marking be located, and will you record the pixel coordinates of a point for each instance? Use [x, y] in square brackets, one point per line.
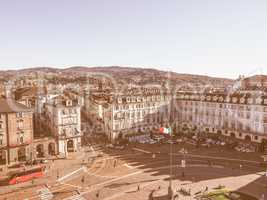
[45, 194]
[129, 166]
[95, 187]
[141, 150]
[70, 174]
[131, 189]
[60, 187]
[75, 186]
[77, 197]
[218, 158]
[101, 176]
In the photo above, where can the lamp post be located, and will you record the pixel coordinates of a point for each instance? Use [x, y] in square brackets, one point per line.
[170, 181]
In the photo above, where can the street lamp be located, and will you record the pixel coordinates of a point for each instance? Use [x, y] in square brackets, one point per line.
[170, 182]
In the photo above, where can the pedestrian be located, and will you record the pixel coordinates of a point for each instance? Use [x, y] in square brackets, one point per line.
[176, 197]
[138, 188]
[97, 194]
[206, 189]
[159, 187]
[82, 180]
[150, 197]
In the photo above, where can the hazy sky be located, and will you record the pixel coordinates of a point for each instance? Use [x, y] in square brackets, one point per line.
[215, 37]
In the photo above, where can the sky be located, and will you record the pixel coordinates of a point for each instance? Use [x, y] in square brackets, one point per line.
[210, 37]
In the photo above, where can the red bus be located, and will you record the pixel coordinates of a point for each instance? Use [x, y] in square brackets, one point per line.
[23, 176]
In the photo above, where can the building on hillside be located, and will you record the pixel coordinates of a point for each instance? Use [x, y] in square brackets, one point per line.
[64, 117]
[16, 132]
[256, 82]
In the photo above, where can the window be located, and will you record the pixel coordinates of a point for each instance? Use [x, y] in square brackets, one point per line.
[1, 139]
[20, 124]
[19, 115]
[21, 139]
[117, 127]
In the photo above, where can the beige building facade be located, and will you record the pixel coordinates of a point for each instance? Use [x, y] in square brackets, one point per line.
[237, 115]
[16, 132]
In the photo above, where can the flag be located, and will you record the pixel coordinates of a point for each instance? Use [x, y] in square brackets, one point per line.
[165, 130]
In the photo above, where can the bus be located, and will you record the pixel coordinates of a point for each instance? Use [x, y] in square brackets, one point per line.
[23, 176]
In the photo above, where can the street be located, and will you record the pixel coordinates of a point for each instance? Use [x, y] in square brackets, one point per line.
[135, 172]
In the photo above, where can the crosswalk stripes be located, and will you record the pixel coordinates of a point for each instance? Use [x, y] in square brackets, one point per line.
[45, 194]
[76, 197]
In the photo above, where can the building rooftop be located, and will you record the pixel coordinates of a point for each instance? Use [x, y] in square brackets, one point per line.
[8, 105]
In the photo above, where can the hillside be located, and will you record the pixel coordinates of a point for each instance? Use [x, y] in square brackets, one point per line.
[138, 76]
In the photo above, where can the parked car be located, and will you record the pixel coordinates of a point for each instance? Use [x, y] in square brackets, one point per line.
[119, 147]
[179, 140]
[109, 145]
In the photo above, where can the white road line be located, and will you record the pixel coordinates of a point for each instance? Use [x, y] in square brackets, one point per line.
[70, 174]
[131, 189]
[78, 197]
[75, 186]
[141, 150]
[45, 194]
[101, 176]
[129, 166]
[218, 158]
[95, 187]
[52, 191]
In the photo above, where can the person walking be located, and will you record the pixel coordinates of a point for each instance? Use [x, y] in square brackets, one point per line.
[150, 197]
[83, 179]
[57, 174]
[176, 197]
[97, 194]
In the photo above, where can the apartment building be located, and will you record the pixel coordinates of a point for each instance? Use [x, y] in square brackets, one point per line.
[238, 115]
[16, 132]
[64, 116]
[143, 112]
